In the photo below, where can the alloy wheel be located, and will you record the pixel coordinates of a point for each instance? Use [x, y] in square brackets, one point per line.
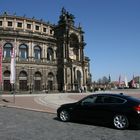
[120, 122]
[64, 116]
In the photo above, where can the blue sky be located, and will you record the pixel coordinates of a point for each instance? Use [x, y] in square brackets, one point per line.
[112, 30]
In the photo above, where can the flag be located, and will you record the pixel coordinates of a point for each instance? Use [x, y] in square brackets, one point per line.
[13, 65]
[133, 82]
[126, 82]
[0, 64]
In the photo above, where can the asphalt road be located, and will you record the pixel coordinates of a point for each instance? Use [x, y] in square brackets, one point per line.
[16, 124]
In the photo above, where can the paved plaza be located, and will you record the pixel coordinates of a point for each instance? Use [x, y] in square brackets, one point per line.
[50, 102]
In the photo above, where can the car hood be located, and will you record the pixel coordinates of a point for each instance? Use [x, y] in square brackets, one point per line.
[68, 105]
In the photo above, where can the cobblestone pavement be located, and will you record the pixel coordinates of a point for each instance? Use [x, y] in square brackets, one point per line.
[19, 124]
[50, 102]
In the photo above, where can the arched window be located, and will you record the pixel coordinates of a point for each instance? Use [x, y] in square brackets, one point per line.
[74, 46]
[6, 73]
[50, 76]
[23, 51]
[38, 74]
[79, 76]
[23, 74]
[74, 43]
[49, 54]
[7, 50]
[37, 52]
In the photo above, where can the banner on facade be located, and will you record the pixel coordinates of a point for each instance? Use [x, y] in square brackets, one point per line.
[0, 64]
[13, 69]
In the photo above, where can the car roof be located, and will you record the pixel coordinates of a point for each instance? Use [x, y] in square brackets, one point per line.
[112, 94]
[120, 95]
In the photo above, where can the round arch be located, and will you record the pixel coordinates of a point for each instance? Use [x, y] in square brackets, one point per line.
[6, 81]
[37, 52]
[23, 81]
[74, 47]
[7, 48]
[6, 73]
[74, 42]
[78, 78]
[50, 54]
[23, 51]
[50, 81]
[37, 81]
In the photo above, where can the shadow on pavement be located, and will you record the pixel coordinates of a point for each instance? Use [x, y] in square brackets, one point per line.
[4, 100]
[98, 124]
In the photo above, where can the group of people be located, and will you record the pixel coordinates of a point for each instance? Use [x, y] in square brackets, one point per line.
[82, 89]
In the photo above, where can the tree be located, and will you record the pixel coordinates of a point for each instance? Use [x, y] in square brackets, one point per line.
[105, 80]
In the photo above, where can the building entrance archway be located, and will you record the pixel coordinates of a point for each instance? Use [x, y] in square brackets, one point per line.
[6, 82]
[50, 81]
[37, 81]
[23, 81]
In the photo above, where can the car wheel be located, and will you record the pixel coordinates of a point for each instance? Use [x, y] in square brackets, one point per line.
[120, 122]
[64, 116]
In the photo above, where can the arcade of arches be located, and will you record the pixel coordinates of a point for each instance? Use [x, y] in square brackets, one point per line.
[27, 82]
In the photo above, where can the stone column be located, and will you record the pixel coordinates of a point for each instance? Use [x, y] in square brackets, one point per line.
[31, 51]
[65, 80]
[4, 23]
[43, 53]
[46, 48]
[24, 25]
[84, 76]
[33, 27]
[79, 54]
[17, 49]
[64, 49]
[14, 24]
[55, 54]
[72, 78]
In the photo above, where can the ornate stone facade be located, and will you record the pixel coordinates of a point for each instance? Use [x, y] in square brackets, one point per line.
[48, 57]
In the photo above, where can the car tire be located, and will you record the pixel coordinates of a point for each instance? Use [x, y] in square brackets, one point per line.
[64, 116]
[120, 122]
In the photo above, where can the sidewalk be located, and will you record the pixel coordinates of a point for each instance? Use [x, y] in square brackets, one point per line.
[40, 102]
[47, 102]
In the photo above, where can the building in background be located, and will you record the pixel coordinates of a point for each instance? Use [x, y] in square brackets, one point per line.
[48, 57]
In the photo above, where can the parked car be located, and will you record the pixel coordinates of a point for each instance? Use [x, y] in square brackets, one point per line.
[117, 109]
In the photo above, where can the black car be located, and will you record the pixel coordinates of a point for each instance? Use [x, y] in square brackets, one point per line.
[117, 109]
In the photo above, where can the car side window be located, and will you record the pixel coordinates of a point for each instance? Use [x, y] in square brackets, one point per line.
[116, 100]
[99, 99]
[109, 100]
[89, 100]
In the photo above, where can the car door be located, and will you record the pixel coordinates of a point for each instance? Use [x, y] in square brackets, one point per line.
[85, 109]
[96, 108]
[105, 107]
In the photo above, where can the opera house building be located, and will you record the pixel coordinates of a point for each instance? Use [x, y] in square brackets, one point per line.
[48, 57]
